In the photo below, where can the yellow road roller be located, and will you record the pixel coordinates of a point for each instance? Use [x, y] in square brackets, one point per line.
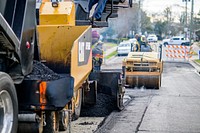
[143, 69]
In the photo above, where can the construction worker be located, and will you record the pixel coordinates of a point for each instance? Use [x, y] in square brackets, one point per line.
[145, 47]
[97, 51]
[143, 40]
[137, 45]
[141, 44]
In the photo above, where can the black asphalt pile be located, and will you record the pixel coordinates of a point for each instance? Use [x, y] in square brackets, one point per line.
[42, 72]
[104, 106]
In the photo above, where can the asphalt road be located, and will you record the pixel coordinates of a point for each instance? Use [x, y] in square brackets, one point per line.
[174, 108]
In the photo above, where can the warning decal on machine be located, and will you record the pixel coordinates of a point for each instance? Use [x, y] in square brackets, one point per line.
[81, 51]
[87, 47]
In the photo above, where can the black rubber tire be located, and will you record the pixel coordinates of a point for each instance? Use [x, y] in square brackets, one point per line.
[63, 125]
[131, 3]
[165, 44]
[77, 110]
[120, 102]
[52, 122]
[7, 84]
[158, 83]
[120, 95]
[160, 80]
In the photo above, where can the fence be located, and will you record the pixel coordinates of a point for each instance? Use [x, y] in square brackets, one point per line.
[177, 52]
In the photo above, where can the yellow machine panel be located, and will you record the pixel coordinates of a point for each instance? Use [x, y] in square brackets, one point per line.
[67, 47]
[64, 47]
[63, 14]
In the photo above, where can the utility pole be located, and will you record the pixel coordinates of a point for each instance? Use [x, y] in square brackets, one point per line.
[139, 12]
[186, 13]
[169, 18]
[139, 17]
[186, 27]
[191, 20]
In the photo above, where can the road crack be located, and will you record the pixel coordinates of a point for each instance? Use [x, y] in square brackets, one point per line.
[138, 126]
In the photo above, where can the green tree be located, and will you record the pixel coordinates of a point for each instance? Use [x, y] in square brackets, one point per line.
[160, 27]
[146, 24]
[197, 20]
[196, 24]
[168, 20]
[110, 31]
[168, 14]
[127, 21]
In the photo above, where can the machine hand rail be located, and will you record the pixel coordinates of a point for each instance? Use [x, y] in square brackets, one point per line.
[111, 11]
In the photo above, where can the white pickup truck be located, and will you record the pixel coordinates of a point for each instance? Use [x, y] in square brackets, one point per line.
[176, 40]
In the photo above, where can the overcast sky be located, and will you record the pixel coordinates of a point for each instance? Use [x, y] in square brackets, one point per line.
[160, 5]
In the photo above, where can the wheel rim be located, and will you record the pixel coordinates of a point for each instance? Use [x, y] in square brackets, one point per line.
[65, 118]
[77, 98]
[6, 112]
[55, 121]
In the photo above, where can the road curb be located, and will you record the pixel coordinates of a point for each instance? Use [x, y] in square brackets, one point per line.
[195, 65]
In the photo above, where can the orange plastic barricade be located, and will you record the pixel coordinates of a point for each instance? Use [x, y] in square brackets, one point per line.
[178, 51]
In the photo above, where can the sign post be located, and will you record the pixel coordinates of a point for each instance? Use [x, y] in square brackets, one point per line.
[199, 54]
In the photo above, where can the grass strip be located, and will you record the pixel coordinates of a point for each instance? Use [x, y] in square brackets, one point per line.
[114, 53]
[109, 45]
[197, 60]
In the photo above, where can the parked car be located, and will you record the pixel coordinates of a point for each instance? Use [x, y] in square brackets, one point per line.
[124, 48]
[176, 40]
[166, 41]
[152, 38]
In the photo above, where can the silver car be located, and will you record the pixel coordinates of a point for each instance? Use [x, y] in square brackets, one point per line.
[152, 38]
[124, 48]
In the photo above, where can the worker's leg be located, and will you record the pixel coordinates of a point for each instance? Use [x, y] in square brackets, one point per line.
[92, 3]
[99, 9]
